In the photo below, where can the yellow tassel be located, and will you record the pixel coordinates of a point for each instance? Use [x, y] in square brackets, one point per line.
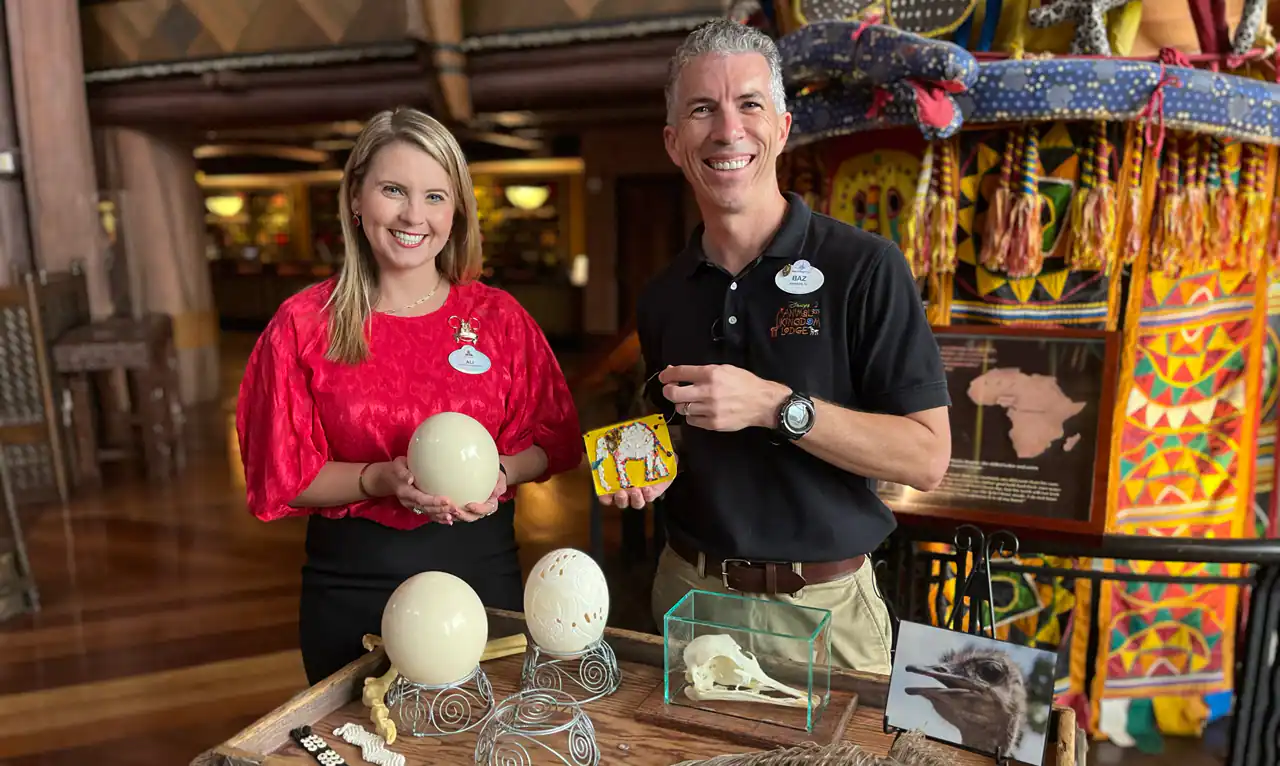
[943, 217]
[1099, 216]
[1026, 254]
[1255, 212]
[1094, 220]
[1228, 218]
[914, 245]
[1196, 209]
[1194, 227]
[1133, 242]
[995, 240]
[909, 239]
[1080, 256]
[1254, 225]
[1171, 226]
[996, 234]
[942, 234]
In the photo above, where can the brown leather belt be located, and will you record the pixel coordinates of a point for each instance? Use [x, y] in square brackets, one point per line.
[768, 577]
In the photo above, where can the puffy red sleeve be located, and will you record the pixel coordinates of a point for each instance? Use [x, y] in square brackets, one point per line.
[282, 443]
[540, 410]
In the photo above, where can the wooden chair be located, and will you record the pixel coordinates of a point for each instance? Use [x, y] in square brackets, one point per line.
[34, 311]
[18, 591]
[144, 349]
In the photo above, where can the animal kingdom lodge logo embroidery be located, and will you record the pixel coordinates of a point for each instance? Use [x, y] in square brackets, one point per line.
[797, 318]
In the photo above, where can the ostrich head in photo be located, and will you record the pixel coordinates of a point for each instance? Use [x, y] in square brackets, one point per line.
[983, 694]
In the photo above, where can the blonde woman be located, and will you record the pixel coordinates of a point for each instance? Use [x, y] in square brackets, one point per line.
[348, 368]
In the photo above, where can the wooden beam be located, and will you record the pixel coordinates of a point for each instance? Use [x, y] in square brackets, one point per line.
[584, 78]
[275, 98]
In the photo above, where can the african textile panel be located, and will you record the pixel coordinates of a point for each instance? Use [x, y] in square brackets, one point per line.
[1055, 295]
[880, 181]
[1264, 500]
[1185, 452]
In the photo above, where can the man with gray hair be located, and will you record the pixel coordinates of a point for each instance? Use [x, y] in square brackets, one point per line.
[794, 355]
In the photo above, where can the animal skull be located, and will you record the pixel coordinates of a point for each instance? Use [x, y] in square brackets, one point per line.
[718, 669]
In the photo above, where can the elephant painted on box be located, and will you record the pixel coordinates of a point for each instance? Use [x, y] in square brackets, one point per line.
[633, 441]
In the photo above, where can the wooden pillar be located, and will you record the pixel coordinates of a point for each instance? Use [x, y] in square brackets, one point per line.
[57, 152]
[162, 220]
[15, 243]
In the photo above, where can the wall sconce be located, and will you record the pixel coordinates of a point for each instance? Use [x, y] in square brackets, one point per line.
[226, 205]
[527, 197]
[579, 272]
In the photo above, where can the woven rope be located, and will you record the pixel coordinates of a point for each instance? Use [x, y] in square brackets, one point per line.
[808, 754]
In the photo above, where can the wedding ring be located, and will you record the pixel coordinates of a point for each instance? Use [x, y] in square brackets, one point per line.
[418, 510]
[686, 408]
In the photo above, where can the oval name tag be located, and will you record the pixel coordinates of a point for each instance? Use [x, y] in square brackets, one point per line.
[470, 360]
[799, 278]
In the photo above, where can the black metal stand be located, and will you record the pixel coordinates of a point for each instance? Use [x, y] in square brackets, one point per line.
[1255, 721]
[973, 591]
[1255, 728]
[973, 587]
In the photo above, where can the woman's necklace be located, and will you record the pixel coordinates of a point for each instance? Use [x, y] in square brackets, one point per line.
[418, 302]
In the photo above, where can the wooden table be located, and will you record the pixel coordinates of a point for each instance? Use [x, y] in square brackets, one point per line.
[620, 737]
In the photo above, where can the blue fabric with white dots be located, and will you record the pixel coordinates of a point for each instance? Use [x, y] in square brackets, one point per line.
[1034, 90]
[881, 55]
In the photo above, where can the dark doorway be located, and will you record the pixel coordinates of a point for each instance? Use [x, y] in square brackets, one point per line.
[651, 231]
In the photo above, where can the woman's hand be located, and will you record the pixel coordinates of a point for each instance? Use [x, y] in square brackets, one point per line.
[395, 479]
[477, 511]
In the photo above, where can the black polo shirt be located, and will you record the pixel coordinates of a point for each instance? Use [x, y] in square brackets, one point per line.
[860, 340]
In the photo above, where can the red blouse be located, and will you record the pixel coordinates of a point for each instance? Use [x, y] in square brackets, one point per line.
[297, 410]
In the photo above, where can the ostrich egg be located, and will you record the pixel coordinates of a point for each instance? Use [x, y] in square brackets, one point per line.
[566, 602]
[434, 628]
[453, 456]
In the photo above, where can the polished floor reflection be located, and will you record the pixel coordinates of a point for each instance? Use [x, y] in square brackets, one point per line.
[170, 614]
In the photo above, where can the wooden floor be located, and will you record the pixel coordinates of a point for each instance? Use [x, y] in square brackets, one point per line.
[169, 617]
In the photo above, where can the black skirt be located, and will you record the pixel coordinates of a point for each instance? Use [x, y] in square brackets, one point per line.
[354, 565]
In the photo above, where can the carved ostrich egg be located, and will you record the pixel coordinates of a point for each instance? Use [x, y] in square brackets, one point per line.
[453, 456]
[434, 628]
[566, 602]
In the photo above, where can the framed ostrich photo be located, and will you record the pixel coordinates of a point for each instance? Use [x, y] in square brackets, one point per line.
[633, 453]
[979, 694]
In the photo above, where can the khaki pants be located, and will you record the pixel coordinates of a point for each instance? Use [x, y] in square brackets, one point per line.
[859, 629]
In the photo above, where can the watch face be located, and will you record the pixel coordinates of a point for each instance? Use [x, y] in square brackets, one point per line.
[797, 416]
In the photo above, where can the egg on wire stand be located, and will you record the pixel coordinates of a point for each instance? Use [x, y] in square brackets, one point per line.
[566, 602]
[452, 455]
[566, 606]
[434, 629]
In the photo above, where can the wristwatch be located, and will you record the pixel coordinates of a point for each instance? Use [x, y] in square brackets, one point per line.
[795, 416]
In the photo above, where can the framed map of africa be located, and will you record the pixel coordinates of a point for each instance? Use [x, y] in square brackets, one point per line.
[1030, 429]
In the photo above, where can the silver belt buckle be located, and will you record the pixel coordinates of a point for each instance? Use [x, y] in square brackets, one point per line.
[724, 572]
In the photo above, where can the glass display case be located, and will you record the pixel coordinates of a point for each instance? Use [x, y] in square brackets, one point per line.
[749, 658]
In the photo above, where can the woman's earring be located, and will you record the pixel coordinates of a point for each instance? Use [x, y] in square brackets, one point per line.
[356, 217]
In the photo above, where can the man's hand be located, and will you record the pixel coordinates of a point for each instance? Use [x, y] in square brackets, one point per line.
[635, 497]
[721, 397]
